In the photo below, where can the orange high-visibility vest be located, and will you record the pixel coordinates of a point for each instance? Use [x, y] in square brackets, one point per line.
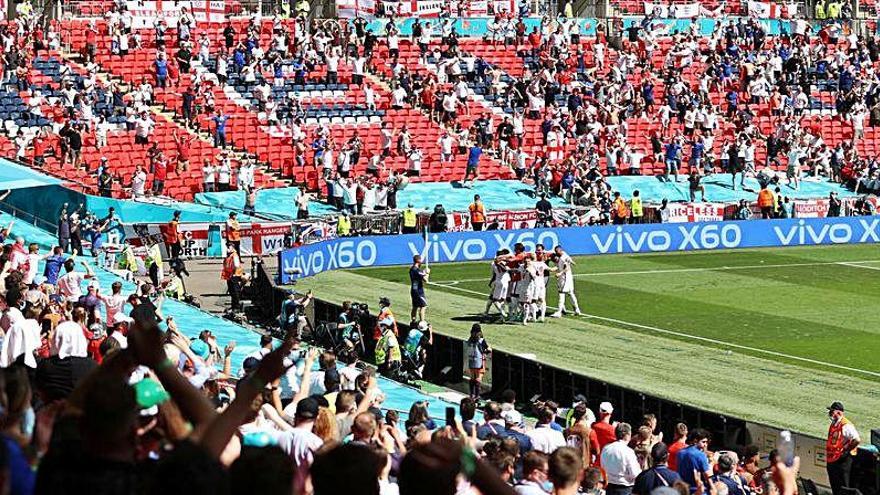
[765, 199]
[232, 231]
[478, 214]
[229, 267]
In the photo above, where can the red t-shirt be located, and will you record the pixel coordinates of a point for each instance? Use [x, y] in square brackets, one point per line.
[673, 454]
[183, 146]
[604, 433]
[160, 170]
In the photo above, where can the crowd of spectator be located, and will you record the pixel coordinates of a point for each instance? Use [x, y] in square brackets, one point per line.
[104, 393]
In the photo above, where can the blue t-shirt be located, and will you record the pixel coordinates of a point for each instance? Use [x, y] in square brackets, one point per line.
[161, 68]
[474, 156]
[23, 477]
[691, 459]
[672, 150]
[221, 123]
[53, 268]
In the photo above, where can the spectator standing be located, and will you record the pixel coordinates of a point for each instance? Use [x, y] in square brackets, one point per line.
[220, 129]
[620, 463]
[535, 480]
[604, 428]
[840, 448]
[300, 443]
[209, 172]
[565, 471]
[658, 475]
[581, 436]
[678, 443]
[727, 474]
[694, 186]
[544, 438]
[692, 460]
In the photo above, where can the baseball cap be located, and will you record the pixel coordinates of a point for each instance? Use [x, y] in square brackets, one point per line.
[580, 399]
[121, 318]
[39, 280]
[606, 407]
[200, 348]
[307, 408]
[423, 325]
[836, 406]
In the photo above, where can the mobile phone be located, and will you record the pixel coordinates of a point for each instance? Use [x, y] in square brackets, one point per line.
[450, 416]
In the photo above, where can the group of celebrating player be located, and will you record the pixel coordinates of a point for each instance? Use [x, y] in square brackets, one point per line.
[519, 283]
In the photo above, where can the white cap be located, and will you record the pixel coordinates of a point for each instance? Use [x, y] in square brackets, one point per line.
[423, 325]
[606, 407]
[512, 416]
[120, 317]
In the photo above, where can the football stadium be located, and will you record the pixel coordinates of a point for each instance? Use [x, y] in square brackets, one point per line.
[400, 247]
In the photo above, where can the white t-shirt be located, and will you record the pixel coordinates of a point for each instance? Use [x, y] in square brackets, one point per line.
[138, 182]
[33, 262]
[113, 304]
[545, 439]
[70, 285]
[300, 444]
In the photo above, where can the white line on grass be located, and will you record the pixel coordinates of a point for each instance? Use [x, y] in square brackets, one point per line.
[704, 269]
[855, 265]
[696, 337]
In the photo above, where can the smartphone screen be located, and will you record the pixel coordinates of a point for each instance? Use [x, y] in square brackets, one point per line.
[450, 416]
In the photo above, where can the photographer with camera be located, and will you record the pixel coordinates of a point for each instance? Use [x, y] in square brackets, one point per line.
[414, 348]
[348, 336]
[388, 355]
[292, 317]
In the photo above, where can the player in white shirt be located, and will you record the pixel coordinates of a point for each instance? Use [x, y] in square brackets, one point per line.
[564, 281]
[500, 284]
[533, 276]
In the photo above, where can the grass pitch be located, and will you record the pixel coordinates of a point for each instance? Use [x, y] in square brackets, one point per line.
[769, 335]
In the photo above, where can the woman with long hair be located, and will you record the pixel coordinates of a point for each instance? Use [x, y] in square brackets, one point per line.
[477, 350]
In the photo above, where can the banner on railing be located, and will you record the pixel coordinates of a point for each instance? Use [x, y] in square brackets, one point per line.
[767, 10]
[695, 212]
[263, 238]
[360, 252]
[811, 208]
[506, 219]
[349, 9]
[425, 8]
[146, 14]
[673, 11]
[195, 242]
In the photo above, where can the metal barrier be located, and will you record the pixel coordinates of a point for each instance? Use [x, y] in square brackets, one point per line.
[28, 217]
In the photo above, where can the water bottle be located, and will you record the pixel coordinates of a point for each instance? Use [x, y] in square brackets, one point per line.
[785, 446]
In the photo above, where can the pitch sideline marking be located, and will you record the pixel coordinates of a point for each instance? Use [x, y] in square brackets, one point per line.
[855, 265]
[704, 269]
[695, 337]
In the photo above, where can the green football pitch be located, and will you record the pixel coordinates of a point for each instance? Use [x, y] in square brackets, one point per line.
[768, 335]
